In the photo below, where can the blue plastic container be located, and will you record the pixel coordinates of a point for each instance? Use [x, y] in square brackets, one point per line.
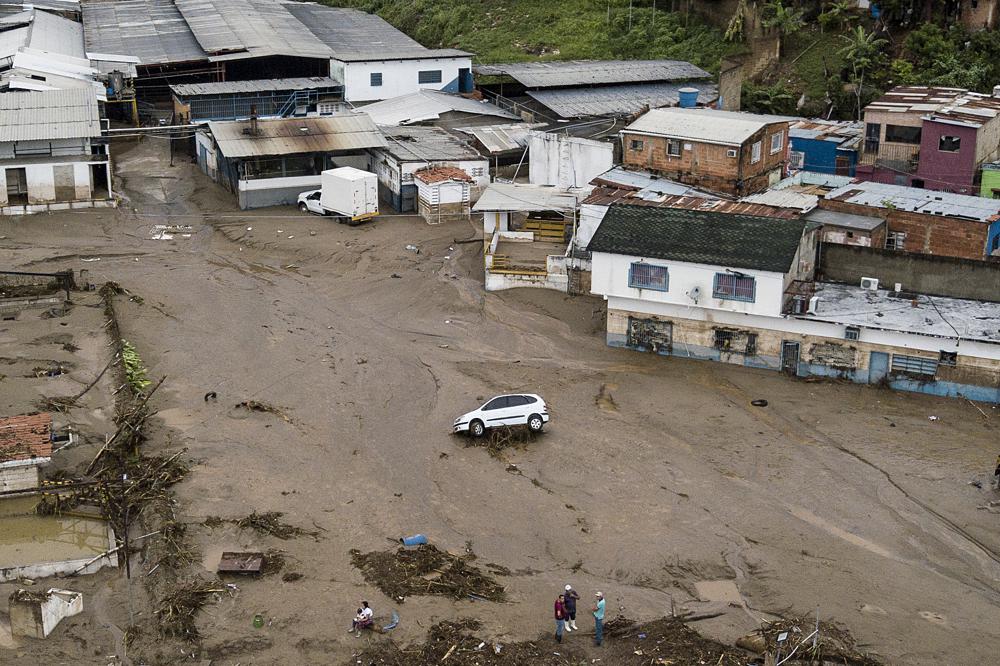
[415, 540]
[687, 98]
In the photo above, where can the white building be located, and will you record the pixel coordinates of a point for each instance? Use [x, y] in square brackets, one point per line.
[50, 154]
[443, 193]
[739, 289]
[433, 107]
[567, 161]
[376, 61]
[411, 148]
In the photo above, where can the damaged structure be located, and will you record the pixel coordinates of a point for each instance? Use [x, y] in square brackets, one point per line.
[52, 156]
[742, 289]
[25, 447]
[270, 162]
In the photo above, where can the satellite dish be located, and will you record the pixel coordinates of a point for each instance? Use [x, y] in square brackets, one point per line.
[694, 294]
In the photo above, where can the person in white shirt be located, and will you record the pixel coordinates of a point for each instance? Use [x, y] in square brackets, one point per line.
[364, 619]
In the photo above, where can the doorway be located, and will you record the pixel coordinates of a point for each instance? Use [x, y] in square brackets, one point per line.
[878, 367]
[465, 83]
[17, 187]
[789, 357]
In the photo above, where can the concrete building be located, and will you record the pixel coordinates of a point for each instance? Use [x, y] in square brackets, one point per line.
[727, 152]
[849, 229]
[923, 221]
[567, 161]
[411, 148]
[825, 146]
[25, 446]
[741, 289]
[51, 155]
[443, 193]
[376, 61]
[526, 229]
[270, 162]
[933, 138]
[564, 89]
[36, 615]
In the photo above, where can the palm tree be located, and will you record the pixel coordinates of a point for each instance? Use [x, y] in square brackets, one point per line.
[861, 51]
[786, 19]
[835, 14]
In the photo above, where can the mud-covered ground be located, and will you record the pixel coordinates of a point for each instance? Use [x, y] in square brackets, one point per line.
[657, 481]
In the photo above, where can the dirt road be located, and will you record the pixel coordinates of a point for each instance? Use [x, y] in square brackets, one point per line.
[655, 474]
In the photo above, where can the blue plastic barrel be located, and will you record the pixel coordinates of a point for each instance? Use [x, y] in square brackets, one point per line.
[415, 540]
[688, 98]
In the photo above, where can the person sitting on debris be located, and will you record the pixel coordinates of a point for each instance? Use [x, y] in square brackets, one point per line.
[571, 597]
[364, 619]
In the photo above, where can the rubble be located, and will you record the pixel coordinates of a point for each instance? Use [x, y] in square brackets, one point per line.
[426, 570]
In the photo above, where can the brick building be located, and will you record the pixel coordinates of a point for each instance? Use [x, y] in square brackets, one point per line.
[25, 445]
[721, 151]
[922, 221]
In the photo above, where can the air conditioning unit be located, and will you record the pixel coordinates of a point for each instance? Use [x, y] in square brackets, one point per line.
[852, 333]
[799, 305]
[871, 284]
[813, 305]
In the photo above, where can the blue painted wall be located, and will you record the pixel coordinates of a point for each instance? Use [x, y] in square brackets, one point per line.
[993, 240]
[821, 156]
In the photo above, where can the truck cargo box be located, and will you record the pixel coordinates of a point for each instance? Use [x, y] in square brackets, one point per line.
[350, 192]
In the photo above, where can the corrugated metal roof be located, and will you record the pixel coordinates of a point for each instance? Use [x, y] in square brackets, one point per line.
[55, 114]
[56, 34]
[501, 138]
[834, 218]
[425, 105]
[425, 144]
[254, 27]
[729, 128]
[555, 74]
[289, 136]
[258, 85]
[606, 196]
[12, 41]
[834, 131]
[618, 100]
[785, 198]
[524, 197]
[354, 35]
[881, 195]
[152, 30]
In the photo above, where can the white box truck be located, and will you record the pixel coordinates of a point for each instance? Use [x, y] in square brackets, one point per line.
[349, 194]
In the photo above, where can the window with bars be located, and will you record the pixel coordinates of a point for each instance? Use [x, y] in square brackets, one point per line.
[375, 79]
[648, 276]
[636, 144]
[734, 287]
[674, 147]
[755, 153]
[740, 342]
[777, 142]
[895, 240]
[914, 365]
[429, 76]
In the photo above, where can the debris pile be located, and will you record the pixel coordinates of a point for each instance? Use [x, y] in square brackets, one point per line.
[268, 522]
[178, 609]
[661, 642]
[835, 643]
[426, 570]
[496, 440]
[261, 407]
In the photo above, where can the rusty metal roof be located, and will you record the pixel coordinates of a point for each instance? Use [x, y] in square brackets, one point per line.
[25, 437]
[290, 136]
[606, 196]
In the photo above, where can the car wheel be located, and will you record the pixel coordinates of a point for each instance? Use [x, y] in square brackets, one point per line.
[477, 429]
[304, 208]
[535, 423]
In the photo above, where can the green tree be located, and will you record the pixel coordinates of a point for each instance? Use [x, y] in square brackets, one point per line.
[775, 99]
[786, 19]
[862, 51]
[835, 14]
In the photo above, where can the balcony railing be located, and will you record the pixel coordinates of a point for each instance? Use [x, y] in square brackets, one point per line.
[902, 158]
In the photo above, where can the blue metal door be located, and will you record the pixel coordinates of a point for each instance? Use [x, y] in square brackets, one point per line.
[878, 367]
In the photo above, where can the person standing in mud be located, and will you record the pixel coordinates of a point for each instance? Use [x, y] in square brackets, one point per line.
[560, 611]
[996, 476]
[571, 598]
[598, 611]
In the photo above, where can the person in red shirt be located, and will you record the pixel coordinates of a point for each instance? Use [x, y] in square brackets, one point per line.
[560, 611]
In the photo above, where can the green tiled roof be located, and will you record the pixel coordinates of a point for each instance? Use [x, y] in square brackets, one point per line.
[701, 237]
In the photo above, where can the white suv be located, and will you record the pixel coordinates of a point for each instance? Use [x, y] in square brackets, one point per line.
[505, 410]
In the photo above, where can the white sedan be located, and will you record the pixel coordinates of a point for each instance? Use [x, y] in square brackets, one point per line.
[309, 202]
[505, 410]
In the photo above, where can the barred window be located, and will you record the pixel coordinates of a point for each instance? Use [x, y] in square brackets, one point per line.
[375, 79]
[914, 365]
[429, 76]
[733, 287]
[648, 276]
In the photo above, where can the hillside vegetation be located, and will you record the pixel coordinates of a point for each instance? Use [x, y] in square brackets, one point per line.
[834, 59]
